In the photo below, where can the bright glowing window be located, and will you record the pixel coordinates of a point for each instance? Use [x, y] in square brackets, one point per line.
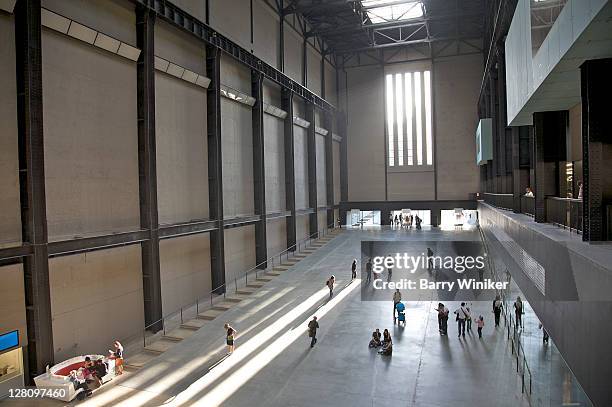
[409, 119]
[381, 11]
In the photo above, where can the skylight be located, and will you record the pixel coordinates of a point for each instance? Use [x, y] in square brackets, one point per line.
[382, 11]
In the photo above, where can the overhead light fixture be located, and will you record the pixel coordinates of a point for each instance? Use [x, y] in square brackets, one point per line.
[321, 131]
[180, 72]
[301, 122]
[7, 5]
[336, 137]
[274, 111]
[81, 32]
[237, 96]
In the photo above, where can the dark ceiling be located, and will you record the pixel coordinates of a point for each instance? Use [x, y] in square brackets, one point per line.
[346, 27]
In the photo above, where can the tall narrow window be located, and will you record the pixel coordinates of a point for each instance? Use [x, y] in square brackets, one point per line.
[409, 103]
[409, 98]
[399, 104]
[428, 118]
[390, 121]
[418, 117]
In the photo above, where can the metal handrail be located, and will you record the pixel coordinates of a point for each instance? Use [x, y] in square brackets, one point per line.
[514, 336]
[222, 289]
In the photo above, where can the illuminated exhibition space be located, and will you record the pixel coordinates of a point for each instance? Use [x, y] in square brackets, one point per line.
[305, 202]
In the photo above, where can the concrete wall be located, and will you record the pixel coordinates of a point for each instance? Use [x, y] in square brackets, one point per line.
[300, 147]
[182, 150]
[239, 251]
[276, 232]
[185, 270]
[313, 60]
[10, 218]
[302, 228]
[336, 161]
[321, 220]
[274, 153]
[232, 19]
[321, 174]
[366, 150]
[456, 82]
[12, 302]
[266, 40]
[293, 54]
[91, 145]
[96, 297]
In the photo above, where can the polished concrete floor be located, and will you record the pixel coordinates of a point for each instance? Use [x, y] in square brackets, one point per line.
[274, 365]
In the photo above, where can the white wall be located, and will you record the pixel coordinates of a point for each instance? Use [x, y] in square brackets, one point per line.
[91, 141]
[10, 218]
[239, 251]
[96, 297]
[184, 264]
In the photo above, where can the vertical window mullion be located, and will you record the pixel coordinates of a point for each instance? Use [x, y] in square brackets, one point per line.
[409, 106]
[428, 118]
[399, 108]
[390, 120]
[418, 117]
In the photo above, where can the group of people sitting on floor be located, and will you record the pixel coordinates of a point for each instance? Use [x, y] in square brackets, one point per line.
[383, 341]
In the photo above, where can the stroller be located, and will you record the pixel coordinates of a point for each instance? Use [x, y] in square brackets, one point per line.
[401, 314]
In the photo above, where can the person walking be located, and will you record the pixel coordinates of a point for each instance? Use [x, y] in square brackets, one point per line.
[313, 325]
[430, 254]
[397, 297]
[468, 321]
[401, 220]
[462, 315]
[518, 312]
[354, 269]
[442, 318]
[497, 309]
[545, 336]
[480, 325]
[369, 270]
[418, 221]
[330, 284]
[230, 338]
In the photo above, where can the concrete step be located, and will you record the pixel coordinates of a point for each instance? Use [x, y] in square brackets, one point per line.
[161, 345]
[179, 333]
[140, 359]
[246, 290]
[282, 268]
[194, 324]
[264, 278]
[300, 255]
[224, 305]
[256, 283]
[210, 314]
[236, 297]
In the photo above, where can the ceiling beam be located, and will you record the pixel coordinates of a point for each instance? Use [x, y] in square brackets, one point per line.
[391, 24]
[400, 43]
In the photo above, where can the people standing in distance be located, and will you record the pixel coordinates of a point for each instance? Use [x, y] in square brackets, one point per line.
[354, 269]
[518, 312]
[497, 309]
[397, 297]
[369, 271]
[462, 315]
[442, 318]
[330, 284]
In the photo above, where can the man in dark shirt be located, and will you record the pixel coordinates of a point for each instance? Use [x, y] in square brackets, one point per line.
[313, 325]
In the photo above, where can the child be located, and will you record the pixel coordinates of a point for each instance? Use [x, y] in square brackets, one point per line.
[480, 325]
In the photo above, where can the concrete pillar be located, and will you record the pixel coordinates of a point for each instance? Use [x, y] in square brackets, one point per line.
[329, 167]
[596, 147]
[342, 132]
[32, 187]
[516, 174]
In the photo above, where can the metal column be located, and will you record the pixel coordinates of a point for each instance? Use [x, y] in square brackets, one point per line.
[259, 172]
[329, 167]
[516, 171]
[341, 123]
[215, 167]
[147, 167]
[596, 132]
[28, 48]
[312, 168]
[287, 106]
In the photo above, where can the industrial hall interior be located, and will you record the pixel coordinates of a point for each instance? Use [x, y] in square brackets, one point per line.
[288, 203]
